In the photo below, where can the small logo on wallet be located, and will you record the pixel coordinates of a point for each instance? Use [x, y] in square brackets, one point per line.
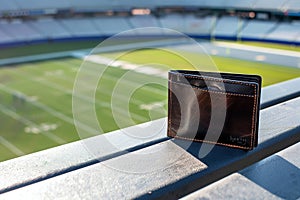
[238, 140]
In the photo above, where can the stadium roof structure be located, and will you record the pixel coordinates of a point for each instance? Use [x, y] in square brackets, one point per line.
[276, 5]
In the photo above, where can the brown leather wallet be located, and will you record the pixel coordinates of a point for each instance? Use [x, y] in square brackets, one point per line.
[216, 108]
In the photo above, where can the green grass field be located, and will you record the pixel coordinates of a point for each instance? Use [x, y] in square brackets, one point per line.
[36, 98]
[271, 73]
[273, 45]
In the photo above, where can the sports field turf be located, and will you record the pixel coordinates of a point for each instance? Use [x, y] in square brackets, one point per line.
[271, 73]
[36, 98]
[274, 46]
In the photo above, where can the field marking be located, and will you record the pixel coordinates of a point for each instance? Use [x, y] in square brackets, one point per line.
[11, 147]
[109, 77]
[51, 111]
[258, 49]
[27, 122]
[87, 99]
[260, 57]
[148, 70]
[154, 105]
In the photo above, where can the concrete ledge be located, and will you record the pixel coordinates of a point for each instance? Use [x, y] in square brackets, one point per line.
[276, 177]
[45, 164]
[177, 171]
[280, 92]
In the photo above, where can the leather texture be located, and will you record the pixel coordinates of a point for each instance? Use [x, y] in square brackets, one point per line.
[216, 108]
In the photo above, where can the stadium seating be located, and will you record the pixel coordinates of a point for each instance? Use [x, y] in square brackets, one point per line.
[20, 31]
[5, 38]
[227, 27]
[145, 21]
[128, 4]
[175, 22]
[50, 28]
[111, 25]
[80, 27]
[285, 32]
[198, 26]
[206, 26]
[256, 29]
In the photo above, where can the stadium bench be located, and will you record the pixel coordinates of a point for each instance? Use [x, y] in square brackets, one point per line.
[71, 171]
[275, 177]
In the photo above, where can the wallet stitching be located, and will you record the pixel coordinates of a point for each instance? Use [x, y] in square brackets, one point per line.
[211, 142]
[253, 111]
[215, 79]
[253, 118]
[171, 106]
[216, 92]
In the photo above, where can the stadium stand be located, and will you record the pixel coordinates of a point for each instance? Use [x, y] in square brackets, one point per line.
[227, 27]
[256, 29]
[80, 27]
[199, 26]
[4, 38]
[73, 19]
[111, 25]
[123, 5]
[20, 31]
[145, 21]
[285, 32]
[174, 21]
[50, 28]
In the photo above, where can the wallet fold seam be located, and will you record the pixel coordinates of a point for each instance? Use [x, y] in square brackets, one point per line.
[217, 92]
[214, 79]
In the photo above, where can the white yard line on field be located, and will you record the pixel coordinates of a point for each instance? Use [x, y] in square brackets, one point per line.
[109, 77]
[27, 122]
[148, 70]
[51, 111]
[87, 99]
[106, 77]
[11, 147]
[258, 49]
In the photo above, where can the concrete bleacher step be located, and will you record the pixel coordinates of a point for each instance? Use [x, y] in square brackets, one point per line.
[275, 177]
[280, 92]
[73, 171]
